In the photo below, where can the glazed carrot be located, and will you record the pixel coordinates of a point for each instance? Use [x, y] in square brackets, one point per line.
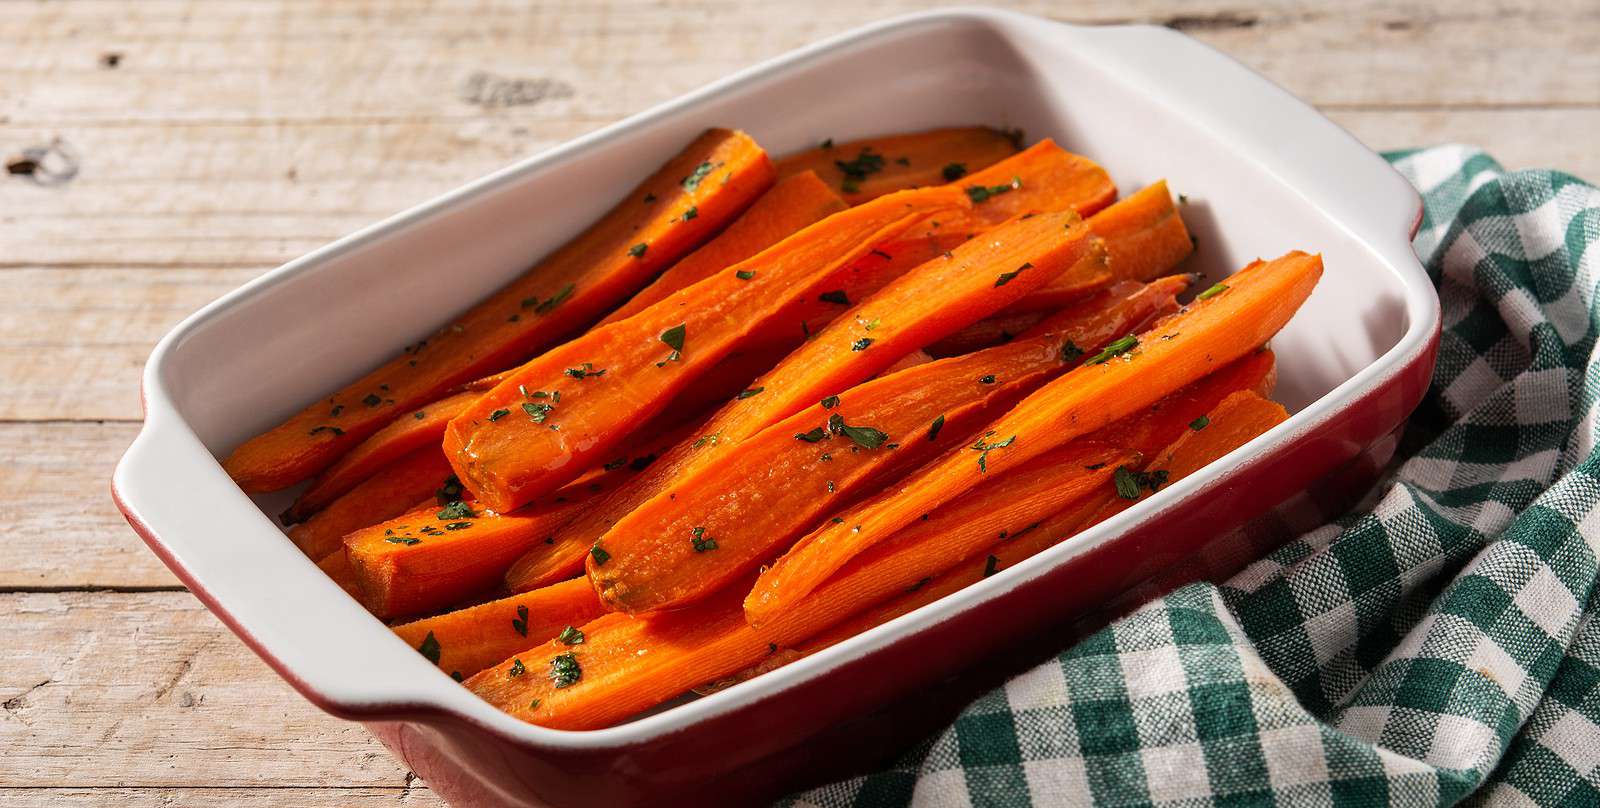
[628, 664]
[403, 435]
[336, 566]
[1226, 322]
[468, 640]
[710, 526]
[866, 169]
[1255, 372]
[1233, 423]
[796, 202]
[386, 494]
[717, 176]
[1144, 234]
[1095, 320]
[555, 414]
[907, 362]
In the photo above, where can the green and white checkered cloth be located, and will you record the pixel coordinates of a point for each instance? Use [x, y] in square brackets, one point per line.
[1441, 645]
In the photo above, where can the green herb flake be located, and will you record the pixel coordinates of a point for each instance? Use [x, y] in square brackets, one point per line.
[989, 379]
[749, 392]
[456, 510]
[1127, 484]
[702, 543]
[585, 371]
[333, 429]
[700, 172]
[520, 623]
[864, 436]
[812, 436]
[933, 429]
[538, 410]
[458, 526]
[372, 400]
[565, 671]
[983, 447]
[1212, 292]
[559, 298]
[534, 705]
[691, 213]
[1115, 349]
[516, 669]
[673, 338]
[1005, 277]
[570, 636]
[430, 648]
[744, 274]
[1200, 423]
[449, 492]
[827, 143]
[830, 402]
[648, 198]
[405, 540]
[954, 171]
[861, 344]
[835, 296]
[1070, 351]
[600, 556]
[982, 193]
[637, 250]
[991, 566]
[498, 414]
[866, 162]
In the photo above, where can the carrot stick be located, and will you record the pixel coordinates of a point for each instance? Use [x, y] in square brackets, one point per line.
[907, 362]
[1231, 424]
[386, 494]
[794, 203]
[866, 169]
[403, 435]
[555, 414]
[717, 176]
[628, 664]
[468, 640]
[735, 510]
[1144, 234]
[1225, 323]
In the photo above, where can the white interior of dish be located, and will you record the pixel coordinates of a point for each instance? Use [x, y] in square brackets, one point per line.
[1262, 173]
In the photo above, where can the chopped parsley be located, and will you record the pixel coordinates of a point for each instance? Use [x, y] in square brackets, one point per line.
[584, 371]
[827, 143]
[405, 540]
[865, 163]
[430, 648]
[1115, 349]
[1070, 351]
[516, 669]
[749, 392]
[449, 492]
[991, 566]
[700, 172]
[637, 250]
[600, 556]
[335, 430]
[989, 379]
[534, 705]
[933, 429]
[570, 636]
[1005, 277]
[701, 541]
[691, 213]
[648, 198]
[458, 526]
[830, 402]
[1212, 292]
[456, 510]
[744, 274]
[673, 338]
[835, 296]
[538, 410]
[372, 400]
[1129, 482]
[520, 622]
[565, 671]
[1200, 423]
[954, 171]
[861, 344]
[983, 447]
[498, 414]
[812, 436]
[864, 436]
[983, 193]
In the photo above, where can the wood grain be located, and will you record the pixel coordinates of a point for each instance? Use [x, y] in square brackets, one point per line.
[216, 140]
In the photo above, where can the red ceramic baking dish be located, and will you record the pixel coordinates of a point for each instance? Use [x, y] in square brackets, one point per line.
[1263, 173]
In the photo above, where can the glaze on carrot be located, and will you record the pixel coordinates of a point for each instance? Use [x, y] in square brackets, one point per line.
[734, 511]
[796, 202]
[554, 415]
[403, 435]
[718, 176]
[1226, 322]
[391, 491]
[468, 640]
[866, 169]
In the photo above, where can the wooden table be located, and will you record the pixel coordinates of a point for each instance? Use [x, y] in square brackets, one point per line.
[214, 141]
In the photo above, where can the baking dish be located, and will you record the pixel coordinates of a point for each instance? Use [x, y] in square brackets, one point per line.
[1262, 172]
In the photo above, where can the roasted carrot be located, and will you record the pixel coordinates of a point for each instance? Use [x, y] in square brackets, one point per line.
[386, 494]
[1231, 424]
[866, 169]
[628, 664]
[1255, 372]
[1226, 322]
[403, 435]
[796, 202]
[1145, 236]
[910, 360]
[468, 640]
[736, 509]
[717, 176]
[551, 417]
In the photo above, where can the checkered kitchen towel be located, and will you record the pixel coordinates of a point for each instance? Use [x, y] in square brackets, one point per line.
[1443, 645]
